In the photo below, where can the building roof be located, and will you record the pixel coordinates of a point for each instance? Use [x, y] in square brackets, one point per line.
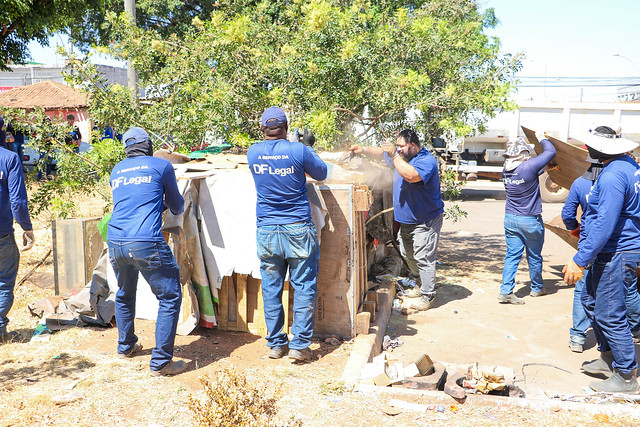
[47, 95]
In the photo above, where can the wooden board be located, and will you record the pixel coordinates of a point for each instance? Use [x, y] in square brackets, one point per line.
[571, 161]
[557, 227]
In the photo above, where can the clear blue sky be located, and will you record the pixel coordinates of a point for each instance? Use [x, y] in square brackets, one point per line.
[571, 38]
[560, 38]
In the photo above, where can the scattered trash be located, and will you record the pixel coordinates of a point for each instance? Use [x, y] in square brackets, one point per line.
[333, 341]
[390, 410]
[453, 408]
[455, 311]
[41, 334]
[66, 398]
[601, 418]
[440, 408]
[491, 417]
[389, 343]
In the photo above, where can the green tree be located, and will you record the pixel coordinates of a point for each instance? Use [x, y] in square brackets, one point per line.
[349, 70]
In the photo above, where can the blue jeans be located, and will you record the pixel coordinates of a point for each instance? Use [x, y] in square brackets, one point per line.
[17, 148]
[522, 232]
[159, 268]
[578, 331]
[294, 247]
[581, 322]
[10, 259]
[610, 286]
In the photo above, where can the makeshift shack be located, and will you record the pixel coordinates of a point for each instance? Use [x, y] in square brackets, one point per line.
[214, 241]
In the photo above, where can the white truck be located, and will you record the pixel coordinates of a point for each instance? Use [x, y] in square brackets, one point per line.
[480, 156]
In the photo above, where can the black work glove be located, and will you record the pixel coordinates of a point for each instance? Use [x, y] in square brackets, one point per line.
[308, 139]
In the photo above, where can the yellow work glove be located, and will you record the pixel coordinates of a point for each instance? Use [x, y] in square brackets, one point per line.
[572, 272]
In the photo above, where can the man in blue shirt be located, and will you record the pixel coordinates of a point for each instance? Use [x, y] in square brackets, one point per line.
[523, 227]
[417, 206]
[143, 187]
[286, 236]
[13, 205]
[612, 249]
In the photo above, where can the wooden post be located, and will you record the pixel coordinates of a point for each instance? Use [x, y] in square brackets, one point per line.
[372, 296]
[223, 305]
[363, 319]
[260, 322]
[370, 306]
[285, 306]
[241, 287]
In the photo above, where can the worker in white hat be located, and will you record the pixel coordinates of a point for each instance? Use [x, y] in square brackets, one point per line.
[612, 251]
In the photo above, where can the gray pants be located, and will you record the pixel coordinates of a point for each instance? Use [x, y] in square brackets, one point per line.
[419, 246]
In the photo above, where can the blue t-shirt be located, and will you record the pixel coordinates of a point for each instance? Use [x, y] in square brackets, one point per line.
[141, 187]
[278, 168]
[417, 202]
[612, 218]
[13, 194]
[522, 186]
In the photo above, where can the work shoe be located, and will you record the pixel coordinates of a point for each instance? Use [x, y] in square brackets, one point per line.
[171, 368]
[576, 347]
[278, 352]
[539, 293]
[601, 366]
[412, 293]
[301, 355]
[636, 336]
[510, 299]
[618, 383]
[424, 304]
[136, 348]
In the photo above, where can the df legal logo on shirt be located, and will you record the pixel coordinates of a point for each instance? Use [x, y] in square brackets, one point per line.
[262, 169]
[137, 180]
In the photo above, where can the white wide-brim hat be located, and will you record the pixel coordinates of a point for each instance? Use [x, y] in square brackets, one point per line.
[605, 143]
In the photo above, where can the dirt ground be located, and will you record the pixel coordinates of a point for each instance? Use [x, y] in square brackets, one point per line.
[75, 377]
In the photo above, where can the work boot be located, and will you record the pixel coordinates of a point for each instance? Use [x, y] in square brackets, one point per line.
[136, 348]
[278, 352]
[600, 366]
[618, 383]
[171, 368]
[576, 347]
[636, 336]
[424, 304]
[510, 299]
[412, 293]
[539, 293]
[303, 355]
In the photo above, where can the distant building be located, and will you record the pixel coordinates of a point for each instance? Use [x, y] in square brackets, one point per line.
[23, 75]
[629, 94]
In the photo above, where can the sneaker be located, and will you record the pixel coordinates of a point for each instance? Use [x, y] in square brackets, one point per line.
[412, 293]
[576, 347]
[171, 368]
[539, 293]
[278, 352]
[601, 366]
[303, 355]
[618, 383]
[136, 348]
[510, 299]
[636, 336]
[424, 304]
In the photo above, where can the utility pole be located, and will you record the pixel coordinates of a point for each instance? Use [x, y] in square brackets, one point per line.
[132, 76]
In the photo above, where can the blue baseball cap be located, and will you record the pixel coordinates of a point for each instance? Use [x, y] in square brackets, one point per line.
[273, 116]
[135, 135]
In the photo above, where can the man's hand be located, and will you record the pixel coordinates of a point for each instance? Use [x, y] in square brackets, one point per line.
[572, 272]
[308, 138]
[27, 240]
[388, 147]
[356, 149]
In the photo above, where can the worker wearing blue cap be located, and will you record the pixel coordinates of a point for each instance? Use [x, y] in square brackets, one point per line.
[143, 186]
[286, 236]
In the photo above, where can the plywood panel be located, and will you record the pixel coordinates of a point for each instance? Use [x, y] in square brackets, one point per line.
[241, 292]
[571, 160]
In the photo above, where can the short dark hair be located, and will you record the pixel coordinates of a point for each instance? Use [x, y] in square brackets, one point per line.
[71, 117]
[409, 136]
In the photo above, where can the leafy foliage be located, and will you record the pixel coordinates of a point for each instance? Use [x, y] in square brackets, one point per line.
[349, 70]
